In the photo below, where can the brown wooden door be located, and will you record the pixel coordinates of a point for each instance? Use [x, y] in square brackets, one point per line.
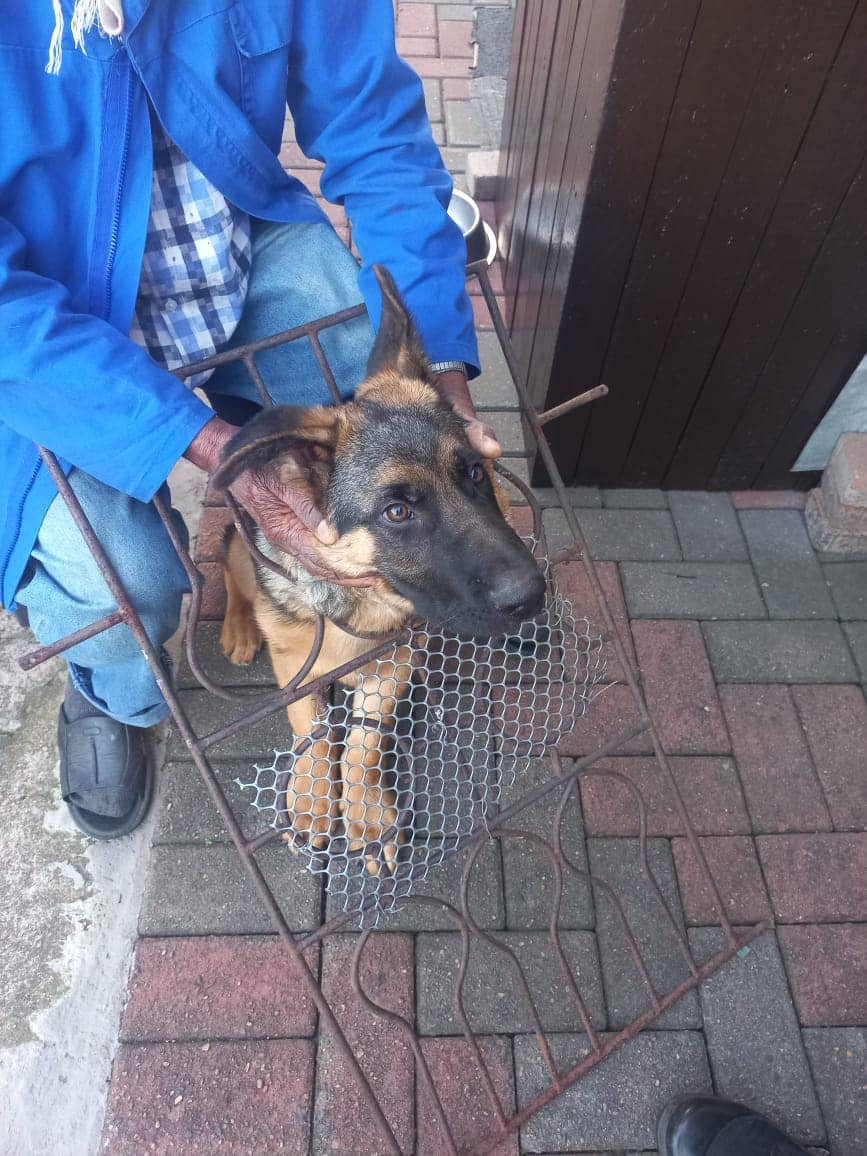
[684, 217]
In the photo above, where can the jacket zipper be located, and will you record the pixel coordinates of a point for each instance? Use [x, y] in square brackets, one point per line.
[118, 197]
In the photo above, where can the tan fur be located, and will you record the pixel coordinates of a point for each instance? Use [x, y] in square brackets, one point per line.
[389, 388]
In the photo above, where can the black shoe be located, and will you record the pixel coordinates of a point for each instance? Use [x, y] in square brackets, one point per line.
[105, 775]
[709, 1126]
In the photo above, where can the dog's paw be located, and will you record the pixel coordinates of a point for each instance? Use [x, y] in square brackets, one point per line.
[313, 795]
[240, 638]
[368, 805]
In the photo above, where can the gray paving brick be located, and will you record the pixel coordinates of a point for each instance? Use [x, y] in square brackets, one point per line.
[752, 1035]
[707, 526]
[789, 574]
[799, 651]
[617, 1104]
[617, 862]
[493, 995]
[630, 535]
[856, 634]
[691, 590]
[580, 497]
[455, 161]
[443, 882]
[218, 668]
[433, 98]
[528, 874]
[185, 812]
[848, 582]
[464, 125]
[207, 713]
[838, 1057]
[195, 890]
[493, 388]
[509, 431]
[636, 499]
[438, 133]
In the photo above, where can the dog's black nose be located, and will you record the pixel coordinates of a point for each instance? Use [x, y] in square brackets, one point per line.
[519, 596]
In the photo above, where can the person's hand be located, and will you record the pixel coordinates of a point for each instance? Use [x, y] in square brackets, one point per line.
[286, 512]
[453, 389]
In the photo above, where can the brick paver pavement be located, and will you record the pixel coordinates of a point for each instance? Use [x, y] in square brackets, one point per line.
[751, 649]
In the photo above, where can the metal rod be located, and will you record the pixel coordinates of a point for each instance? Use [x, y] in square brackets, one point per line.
[35, 657]
[574, 403]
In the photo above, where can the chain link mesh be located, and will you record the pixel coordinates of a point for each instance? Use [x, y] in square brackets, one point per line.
[402, 771]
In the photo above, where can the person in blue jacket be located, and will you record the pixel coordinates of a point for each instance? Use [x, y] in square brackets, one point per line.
[146, 222]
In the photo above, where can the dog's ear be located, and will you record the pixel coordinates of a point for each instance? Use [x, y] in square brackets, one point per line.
[273, 434]
[397, 346]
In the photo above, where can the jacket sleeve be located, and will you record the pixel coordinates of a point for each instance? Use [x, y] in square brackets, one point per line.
[74, 384]
[359, 108]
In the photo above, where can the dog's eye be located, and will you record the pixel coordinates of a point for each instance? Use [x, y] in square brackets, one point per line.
[476, 473]
[398, 512]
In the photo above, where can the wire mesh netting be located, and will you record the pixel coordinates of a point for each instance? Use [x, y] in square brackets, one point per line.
[406, 765]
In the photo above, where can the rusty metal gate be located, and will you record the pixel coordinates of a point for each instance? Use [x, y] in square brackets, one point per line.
[503, 825]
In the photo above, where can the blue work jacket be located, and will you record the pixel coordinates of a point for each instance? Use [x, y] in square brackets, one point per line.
[75, 185]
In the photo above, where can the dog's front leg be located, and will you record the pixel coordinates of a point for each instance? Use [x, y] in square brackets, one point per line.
[313, 791]
[369, 805]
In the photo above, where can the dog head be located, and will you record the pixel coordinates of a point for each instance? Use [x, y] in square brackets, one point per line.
[408, 495]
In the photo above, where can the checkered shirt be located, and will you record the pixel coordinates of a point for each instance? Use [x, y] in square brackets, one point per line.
[196, 264]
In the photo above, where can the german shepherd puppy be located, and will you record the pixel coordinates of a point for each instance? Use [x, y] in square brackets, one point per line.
[413, 503]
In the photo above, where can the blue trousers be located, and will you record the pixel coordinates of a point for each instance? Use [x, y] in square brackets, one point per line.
[300, 272]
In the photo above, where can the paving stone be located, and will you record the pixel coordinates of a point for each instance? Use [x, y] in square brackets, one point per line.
[464, 126]
[206, 891]
[611, 710]
[444, 882]
[816, 878]
[493, 388]
[576, 588]
[629, 535]
[454, 88]
[493, 996]
[454, 38]
[679, 688]
[417, 46]
[618, 1103]
[217, 667]
[507, 426]
[838, 1057]
[434, 66]
[483, 173]
[617, 862]
[709, 788]
[691, 590]
[753, 1039]
[834, 719]
[185, 812]
[433, 99]
[618, 499]
[768, 499]
[460, 1086]
[735, 869]
[226, 987]
[488, 95]
[777, 651]
[342, 1120]
[209, 535]
[213, 604]
[707, 526]
[848, 582]
[527, 870]
[780, 783]
[208, 713]
[827, 966]
[438, 133]
[789, 574]
[416, 19]
[235, 1098]
[856, 635]
[493, 34]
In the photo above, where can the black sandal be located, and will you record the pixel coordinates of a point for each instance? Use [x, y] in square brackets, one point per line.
[105, 775]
